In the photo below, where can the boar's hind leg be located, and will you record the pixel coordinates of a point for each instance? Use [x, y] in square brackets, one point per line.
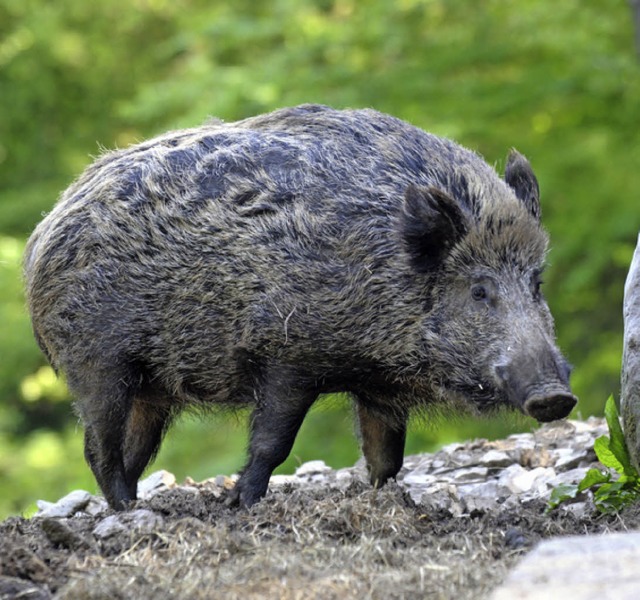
[104, 405]
[382, 444]
[103, 451]
[148, 420]
[282, 406]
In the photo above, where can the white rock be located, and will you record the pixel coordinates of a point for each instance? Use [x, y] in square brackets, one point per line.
[584, 440]
[579, 509]
[495, 458]
[520, 480]
[569, 477]
[466, 474]
[422, 464]
[65, 507]
[568, 458]
[44, 504]
[438, 463]
[441, 497]
[157, 481]
[313, 467]
[542, 481]
[511, 502]
[586, 426]
[284, 479]
[525, 441]
[97, 505]
[344, 478]
[482, 496]
[451, 448]
[418, 479]
[140, 520]
[109, 526]
[509, 474]
[144, 519]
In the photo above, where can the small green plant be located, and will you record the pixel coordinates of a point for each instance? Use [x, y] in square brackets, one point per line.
[610, 492]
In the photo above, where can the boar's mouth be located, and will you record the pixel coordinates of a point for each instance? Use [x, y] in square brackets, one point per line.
[550, 407]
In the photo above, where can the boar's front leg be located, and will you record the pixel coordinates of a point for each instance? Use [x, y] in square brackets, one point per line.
[383, 441]
[282, 403]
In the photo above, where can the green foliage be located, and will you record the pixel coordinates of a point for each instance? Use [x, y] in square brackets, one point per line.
[558, 80]
[610, 493]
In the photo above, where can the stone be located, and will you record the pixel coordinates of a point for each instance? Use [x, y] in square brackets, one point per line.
[160, 480]
[225, 482]
[520, 480]
[451, 448]
[584, 568]
[470, 474]
[572, 476]
[60, 534]
[313, 467]
[97, 505]
[67, 506]
[630, 378]
[344, 478]
[108, 526]
[283, 480]
[515, 538]
[144, 519]
[482, 497]
[495, 458]
[509, 474]
[136, 520]
[419, 479]
[523, 440]
[441, 498]
[577, 509]
[568, 458]
[460, 479]
[14, 587]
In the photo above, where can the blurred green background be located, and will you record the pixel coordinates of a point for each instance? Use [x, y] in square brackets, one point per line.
[558, 80]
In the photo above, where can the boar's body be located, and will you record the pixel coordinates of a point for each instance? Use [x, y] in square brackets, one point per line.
[266, 261]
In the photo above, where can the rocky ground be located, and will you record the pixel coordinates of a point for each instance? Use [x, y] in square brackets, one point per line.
[452, 527]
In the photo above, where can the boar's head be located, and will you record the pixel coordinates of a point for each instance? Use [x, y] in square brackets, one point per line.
[489, 335]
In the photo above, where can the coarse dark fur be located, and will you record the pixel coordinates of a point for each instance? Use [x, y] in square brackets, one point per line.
[267, 261]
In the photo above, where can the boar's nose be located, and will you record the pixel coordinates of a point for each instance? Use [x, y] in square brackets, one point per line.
[549, 407]
[540, 388]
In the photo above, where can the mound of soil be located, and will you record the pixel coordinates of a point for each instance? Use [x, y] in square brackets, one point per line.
[314, 541]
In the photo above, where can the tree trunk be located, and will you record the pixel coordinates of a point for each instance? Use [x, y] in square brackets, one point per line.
[635, 9]
[630, 393]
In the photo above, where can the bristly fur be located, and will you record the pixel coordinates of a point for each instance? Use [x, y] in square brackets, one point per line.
[266, 261]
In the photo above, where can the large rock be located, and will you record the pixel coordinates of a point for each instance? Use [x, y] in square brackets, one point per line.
[577, 567]
[630, 395]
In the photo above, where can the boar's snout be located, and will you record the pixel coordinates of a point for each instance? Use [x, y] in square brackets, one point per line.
[550, 407]
[539, 388]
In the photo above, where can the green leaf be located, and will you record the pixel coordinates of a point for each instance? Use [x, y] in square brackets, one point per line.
[617, 443]
[593, 477]
[602, 448]
[560, 494]
[612, 497]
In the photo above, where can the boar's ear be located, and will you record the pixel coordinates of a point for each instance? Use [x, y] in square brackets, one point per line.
[431, 224]
[519, 176]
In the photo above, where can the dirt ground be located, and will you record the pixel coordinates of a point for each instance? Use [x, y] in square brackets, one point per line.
[309, 542]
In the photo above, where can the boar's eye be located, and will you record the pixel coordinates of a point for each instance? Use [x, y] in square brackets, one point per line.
[536, 282]
[479, 293]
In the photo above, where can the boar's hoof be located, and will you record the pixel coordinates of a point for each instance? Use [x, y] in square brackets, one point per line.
[550, 408]
[242, 496]
[232, 498]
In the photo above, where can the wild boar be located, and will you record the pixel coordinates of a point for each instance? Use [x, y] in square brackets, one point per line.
[267, 261]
